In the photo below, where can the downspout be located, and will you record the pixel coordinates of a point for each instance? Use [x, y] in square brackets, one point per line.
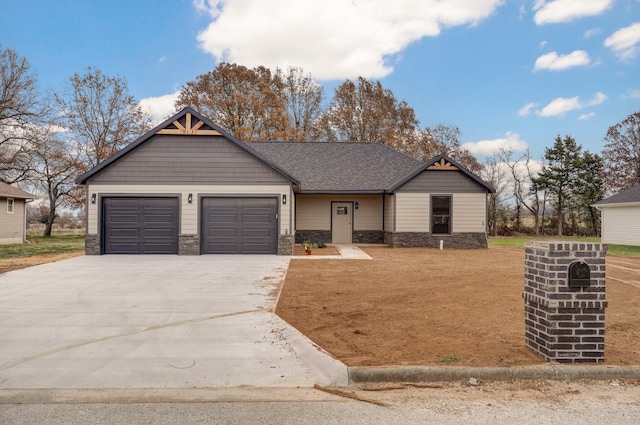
[24, 220]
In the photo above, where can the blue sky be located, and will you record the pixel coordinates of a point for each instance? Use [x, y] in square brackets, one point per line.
[514, 73]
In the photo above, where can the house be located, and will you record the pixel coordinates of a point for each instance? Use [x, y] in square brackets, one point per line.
[189, 187]
[13, 214]
[621, 217]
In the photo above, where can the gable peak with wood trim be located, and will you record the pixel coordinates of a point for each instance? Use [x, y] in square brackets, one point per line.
[188, 123]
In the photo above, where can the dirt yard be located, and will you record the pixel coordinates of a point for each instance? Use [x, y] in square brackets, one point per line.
[9, 264]
[429, 307]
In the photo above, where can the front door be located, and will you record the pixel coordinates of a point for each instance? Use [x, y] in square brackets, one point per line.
[341, 218]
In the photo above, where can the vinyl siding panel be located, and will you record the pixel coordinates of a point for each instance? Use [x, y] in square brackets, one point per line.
[621, 225]
[389, 213]
[189, 212]
[12, 225]
[188, 159]
[431, 181]
[469, 212]
[313, 212]
[412, 212]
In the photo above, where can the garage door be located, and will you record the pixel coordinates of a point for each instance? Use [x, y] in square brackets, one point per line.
[140, 225]
[239, 225]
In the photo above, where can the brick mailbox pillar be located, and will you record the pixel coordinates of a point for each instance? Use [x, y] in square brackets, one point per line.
[564, 296]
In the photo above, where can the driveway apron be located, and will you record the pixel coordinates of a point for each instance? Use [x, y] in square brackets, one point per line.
[154, 322]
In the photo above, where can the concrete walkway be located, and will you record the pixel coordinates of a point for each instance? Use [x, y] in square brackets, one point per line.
[345, 252]
[154, 322]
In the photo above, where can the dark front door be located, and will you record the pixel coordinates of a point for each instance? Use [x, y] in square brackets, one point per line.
[239, 226]
[140, 225]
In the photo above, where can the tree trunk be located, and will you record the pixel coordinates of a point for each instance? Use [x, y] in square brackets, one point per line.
[560, 222]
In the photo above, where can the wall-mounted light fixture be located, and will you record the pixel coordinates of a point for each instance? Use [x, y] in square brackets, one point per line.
[190, 198]
[356, 205]
[284, 199]
[93, 198]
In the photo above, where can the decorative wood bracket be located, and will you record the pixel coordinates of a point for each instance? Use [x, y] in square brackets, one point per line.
[442, 165]
[188, 128]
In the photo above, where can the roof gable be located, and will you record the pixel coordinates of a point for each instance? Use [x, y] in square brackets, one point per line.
[443, 163]
[187, 122]
[631, 195]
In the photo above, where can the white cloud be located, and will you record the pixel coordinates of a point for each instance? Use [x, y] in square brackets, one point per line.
[543, 43]
[554, 62]
[331, 39]
[160, 107]
[511, 141]
[562, 105]
[631, 94]
[162, 59]
[555, 11]
[588, 116]
[526, 109]
[592, 32]
[625, 42]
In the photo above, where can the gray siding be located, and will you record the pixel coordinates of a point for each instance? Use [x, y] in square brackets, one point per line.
[188, 159]
[440, 181]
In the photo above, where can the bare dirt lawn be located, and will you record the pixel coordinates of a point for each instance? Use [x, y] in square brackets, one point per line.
[16, 263]
[416, 306]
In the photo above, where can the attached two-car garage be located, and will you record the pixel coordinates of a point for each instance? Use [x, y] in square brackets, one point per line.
[150, 225]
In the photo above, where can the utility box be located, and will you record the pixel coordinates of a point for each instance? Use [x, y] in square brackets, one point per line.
[565, 299]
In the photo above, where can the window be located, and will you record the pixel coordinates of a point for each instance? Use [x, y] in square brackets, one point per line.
[9, 205]
[441, 214]
[341, 211]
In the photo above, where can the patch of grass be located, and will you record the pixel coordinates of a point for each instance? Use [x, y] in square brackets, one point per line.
[451, 358]
[514, 362]
[519, 241]
[40, 245]
[624, 250]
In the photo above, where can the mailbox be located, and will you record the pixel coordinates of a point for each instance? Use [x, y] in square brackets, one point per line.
[579, 275]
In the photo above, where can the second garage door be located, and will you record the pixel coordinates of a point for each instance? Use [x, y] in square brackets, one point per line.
[239, 225]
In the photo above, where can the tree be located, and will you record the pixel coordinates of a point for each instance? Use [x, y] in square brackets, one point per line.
[621, 154]
[55, 167]
[101, 115]
[303, 99]
[20, 105]
[246, 102]
[494, 173]
[444, 139]
[527, 195]
[365, 111]
[571, 179]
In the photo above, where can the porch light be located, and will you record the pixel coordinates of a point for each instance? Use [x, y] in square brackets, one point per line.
[284, 199]
[356, 205]
[190, 198]
[93, 198]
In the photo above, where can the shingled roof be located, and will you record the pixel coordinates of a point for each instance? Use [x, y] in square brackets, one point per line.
[631, 195]
[8, 191]
[339, 167]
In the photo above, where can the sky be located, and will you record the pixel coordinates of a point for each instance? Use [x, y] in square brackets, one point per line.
[508, 73]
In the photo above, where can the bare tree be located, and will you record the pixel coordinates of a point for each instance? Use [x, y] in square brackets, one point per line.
[523, 170]
[246, 102]
[444, 139]
[55, 166]
[303, 99]
[494, 172]
[101, 115]
[621, 154]
[20, 105]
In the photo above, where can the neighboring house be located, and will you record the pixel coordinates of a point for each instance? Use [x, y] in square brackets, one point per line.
[621, 217]
[188, 187]
[13, 214]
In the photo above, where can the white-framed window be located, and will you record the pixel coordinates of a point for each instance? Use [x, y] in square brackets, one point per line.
[9, 205]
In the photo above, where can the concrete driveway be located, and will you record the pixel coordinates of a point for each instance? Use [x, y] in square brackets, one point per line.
[153, 322]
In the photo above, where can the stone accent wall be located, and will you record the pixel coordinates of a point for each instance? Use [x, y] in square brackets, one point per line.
[313, 235]
[189, 244]
[368, 236]
[92, 244]
[564, 324]
[428, 240]
[285, 244]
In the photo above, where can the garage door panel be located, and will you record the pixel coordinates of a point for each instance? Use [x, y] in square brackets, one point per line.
[240, 225]
[140, 225]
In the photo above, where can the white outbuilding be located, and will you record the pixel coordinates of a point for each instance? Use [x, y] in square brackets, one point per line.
[621, 217]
